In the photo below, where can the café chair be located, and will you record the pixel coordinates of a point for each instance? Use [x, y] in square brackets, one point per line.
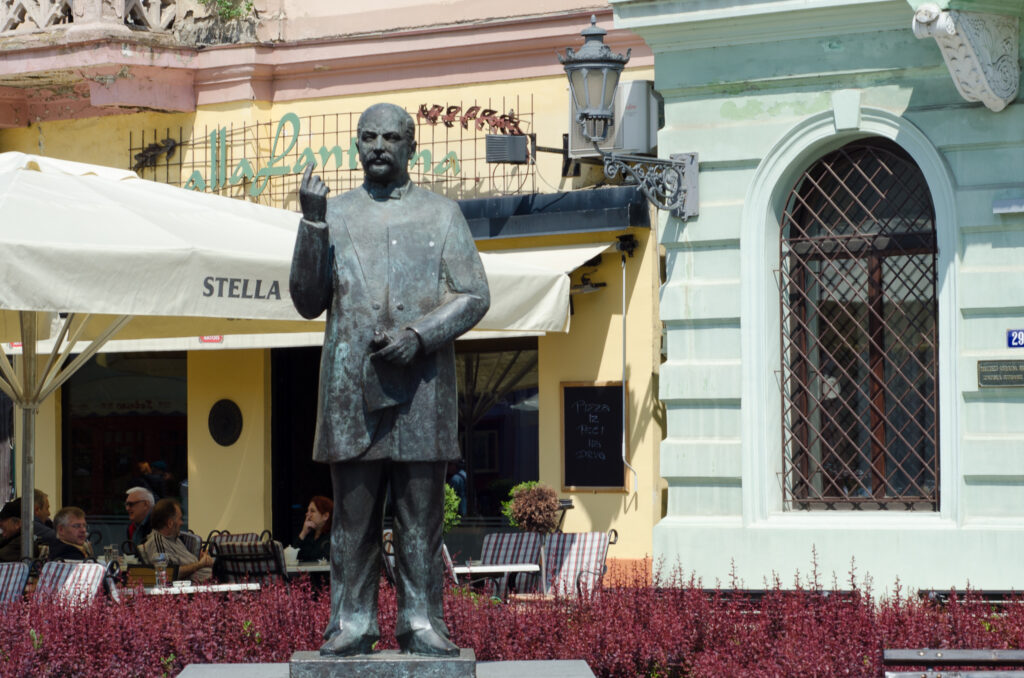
[389, 559]
[510, 548]
[75, 583]
[13, 577]
[247, 557]
[192, 541]
[575, 561]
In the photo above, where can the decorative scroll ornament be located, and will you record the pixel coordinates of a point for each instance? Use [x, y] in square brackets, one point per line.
[980, 50]
[669, 185]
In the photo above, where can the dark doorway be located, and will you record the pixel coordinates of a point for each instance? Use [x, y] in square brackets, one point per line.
[497, 383]
[295, 375]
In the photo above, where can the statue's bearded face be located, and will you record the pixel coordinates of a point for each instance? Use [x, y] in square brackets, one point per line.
[384, 145]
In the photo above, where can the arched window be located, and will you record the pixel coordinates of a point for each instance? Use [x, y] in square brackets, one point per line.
[859, 363]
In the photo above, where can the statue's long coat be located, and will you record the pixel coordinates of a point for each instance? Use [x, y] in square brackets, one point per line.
[404, 262]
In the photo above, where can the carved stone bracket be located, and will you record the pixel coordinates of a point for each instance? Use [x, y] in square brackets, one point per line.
[981, 51]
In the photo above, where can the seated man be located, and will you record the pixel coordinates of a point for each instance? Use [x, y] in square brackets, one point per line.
[42, 527]
[166, 521]
[72, 542]
[10, 532]
[139, 504]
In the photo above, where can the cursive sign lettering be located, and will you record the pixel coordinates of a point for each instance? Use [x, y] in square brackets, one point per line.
[286, 139]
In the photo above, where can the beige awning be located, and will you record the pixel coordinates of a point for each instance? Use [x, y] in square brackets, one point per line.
[529, 297]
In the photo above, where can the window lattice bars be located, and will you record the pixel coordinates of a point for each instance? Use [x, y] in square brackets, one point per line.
[859, 371]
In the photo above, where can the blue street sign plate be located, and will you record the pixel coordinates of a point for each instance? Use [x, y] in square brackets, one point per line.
[1014, 338]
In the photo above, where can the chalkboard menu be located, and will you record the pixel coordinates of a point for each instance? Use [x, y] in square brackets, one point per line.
[592, 436]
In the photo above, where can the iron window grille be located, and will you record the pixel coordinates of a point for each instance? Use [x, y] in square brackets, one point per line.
[859, 366]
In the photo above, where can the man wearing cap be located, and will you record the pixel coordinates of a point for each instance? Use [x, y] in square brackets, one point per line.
[10, 531]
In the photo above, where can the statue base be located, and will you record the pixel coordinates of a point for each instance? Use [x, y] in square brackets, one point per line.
[384, 664]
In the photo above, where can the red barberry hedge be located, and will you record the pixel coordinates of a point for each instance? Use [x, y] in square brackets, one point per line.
[671, 628]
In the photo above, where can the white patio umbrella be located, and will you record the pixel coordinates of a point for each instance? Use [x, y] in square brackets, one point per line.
[91, 252]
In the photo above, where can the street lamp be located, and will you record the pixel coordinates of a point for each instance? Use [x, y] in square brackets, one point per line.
[593, 74]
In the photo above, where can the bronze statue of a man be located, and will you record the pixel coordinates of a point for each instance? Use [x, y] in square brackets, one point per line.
[397, 271]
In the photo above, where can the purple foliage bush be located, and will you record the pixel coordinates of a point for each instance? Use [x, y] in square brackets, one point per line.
[672, 628]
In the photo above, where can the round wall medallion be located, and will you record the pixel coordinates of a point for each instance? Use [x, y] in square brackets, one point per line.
[225, 422]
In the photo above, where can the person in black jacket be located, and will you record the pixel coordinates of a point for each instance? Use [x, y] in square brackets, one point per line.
[72, 542]
[42, 528]
[315, 538]
[10, 532]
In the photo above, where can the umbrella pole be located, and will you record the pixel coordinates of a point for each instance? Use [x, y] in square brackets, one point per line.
[29, 405]
[28, 473]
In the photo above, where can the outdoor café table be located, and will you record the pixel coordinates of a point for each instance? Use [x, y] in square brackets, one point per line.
[189, 589]
[495, 570]
[307, 567]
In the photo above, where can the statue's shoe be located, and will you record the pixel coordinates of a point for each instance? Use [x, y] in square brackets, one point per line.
[427, 642]
[348, 644]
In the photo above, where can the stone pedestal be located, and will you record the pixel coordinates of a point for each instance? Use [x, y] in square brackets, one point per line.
[385, 664]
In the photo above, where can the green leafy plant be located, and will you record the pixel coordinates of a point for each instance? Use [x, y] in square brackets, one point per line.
[249, 631]
[451, 508]
[37, 640]
[506, 506]
[228, 10]
[168, 664]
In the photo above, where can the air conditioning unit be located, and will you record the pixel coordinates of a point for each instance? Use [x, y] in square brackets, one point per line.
[637, 117]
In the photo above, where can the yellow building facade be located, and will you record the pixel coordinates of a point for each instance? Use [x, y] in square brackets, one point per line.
[614, 332]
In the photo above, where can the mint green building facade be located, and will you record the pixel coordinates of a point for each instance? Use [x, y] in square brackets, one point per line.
[762, 91]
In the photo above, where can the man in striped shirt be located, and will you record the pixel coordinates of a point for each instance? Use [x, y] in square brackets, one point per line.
[166, 521]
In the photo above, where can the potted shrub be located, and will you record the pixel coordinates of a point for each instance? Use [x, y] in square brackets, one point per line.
[533, 507]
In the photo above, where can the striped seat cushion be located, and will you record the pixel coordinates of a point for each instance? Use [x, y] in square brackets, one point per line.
[245, 560]
[575, 561]
[192, 541]
[245, 537]
[70, 582]
[13, 577]
[503, 548]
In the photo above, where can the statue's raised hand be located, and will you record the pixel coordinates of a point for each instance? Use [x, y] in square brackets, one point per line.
[313, 196]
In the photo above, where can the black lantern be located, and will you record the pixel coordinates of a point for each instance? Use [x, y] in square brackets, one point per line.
[593, 74]
[593, 77]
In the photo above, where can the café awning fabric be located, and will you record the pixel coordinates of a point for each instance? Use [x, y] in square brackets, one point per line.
[89, 253]
[529, 297]
[78, 238]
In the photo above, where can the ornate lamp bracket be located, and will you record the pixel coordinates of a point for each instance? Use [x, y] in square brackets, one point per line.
[669, 185]
[980, 50]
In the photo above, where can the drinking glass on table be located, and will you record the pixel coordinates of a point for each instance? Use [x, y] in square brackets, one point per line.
[160, 566]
